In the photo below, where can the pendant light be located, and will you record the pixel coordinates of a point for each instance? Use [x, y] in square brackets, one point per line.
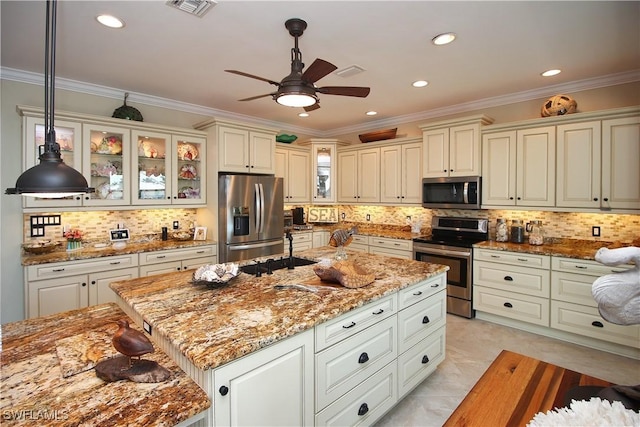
[51, 178]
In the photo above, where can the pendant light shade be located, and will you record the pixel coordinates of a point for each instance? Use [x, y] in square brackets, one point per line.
[51, 178]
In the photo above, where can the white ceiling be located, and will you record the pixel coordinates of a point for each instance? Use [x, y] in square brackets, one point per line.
[501, 49]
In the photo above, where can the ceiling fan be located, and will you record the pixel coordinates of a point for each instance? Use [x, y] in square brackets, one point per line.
[298, 89]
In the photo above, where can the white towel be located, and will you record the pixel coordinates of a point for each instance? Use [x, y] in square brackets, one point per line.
[618, 294]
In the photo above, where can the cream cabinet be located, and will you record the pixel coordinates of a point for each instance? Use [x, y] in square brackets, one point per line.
[398, 248]
[169, 261]
[245, 151]
[359, 176]
[452, 148]
[400, 173]
[55, 287]
[518, 168]
[359, 243]
[273, 386]
[320, 238]
[168, 169]
[293, 165]
[301, 241]
[620, 170]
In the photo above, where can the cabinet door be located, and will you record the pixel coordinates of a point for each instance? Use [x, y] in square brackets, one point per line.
[270, 387]
[320, 238]
[189, 170]
[578, 157]
[68, 135]
[369, 175]
[151, 167]
[299, 177]
[411, 173]
[436, 153]
[620, 170]
[106, 161]
[535, 167]
[281, 166]
[348, 177]
[499, 168]
[262, 148]
[233, 150]
[99, 290]
[56, 295]
[390, 174]
[324, 173]
[464, 150]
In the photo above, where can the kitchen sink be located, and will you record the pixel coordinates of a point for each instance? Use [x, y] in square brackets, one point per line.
[275, 264]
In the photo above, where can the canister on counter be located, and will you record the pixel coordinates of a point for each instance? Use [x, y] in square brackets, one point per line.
[536, 232]
[502, 232]
[517, 231]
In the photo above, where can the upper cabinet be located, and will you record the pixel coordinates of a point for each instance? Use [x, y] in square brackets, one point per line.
[359, 176]
[324, 167]
[620, 163]
[452, 147]
[128, 163]
[400, 172]
[292, 164]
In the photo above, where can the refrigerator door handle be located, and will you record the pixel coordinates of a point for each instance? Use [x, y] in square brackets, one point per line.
[262, 213]
[258, 207]
[254, 245]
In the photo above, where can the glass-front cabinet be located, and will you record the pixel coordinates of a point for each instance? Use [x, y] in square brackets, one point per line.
[189, 167]
[106, 160]
[324, 172]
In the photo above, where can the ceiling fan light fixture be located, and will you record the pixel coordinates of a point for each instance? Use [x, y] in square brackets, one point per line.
[296, 99]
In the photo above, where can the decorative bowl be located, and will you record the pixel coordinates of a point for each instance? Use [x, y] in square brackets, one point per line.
[182, 235]
[215, 275]
[287, 139]
[41, 247]
[379, 135]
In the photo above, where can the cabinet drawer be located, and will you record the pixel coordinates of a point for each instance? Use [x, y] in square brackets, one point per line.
[570, 287]
[63, 269]
[346, 364]
[336, 330]
[390, 252]
[530, 281]
[162, 268]
[587, 321]
[192, 264]
[301, 237]
[358, 247]
[420, 361]
[512, 258]
[384, 242]
[421, 291]
[176, 254]
[583, 266]
[363, 240]
[515, 306]
[375, 396]
[419, 320]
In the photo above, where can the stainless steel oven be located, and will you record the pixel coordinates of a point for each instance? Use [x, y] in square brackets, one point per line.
[451, 244]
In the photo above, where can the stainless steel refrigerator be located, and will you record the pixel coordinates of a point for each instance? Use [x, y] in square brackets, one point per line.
[250, 217]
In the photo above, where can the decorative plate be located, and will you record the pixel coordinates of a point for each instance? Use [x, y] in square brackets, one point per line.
[103, 190]
[187, 152]
[188, 171]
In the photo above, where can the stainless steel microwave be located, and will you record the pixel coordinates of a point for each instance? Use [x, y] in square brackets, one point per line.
[461, 192]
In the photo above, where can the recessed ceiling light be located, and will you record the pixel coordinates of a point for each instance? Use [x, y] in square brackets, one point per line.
[303, 115]
[420, 83]
[444, 38]
[371, 113]
[550, 73]
[110, 21]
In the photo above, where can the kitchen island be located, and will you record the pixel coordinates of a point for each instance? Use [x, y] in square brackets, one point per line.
[254, 348]
[47, 377]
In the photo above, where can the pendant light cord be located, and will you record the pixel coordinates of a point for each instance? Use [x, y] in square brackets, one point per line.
[50, 144]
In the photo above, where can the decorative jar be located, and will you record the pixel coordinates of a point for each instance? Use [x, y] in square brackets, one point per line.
[502, 233]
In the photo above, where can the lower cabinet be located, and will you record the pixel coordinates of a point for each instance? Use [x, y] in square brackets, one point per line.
[301, 241]
[399, 248]
[169, 261]
[321, 238]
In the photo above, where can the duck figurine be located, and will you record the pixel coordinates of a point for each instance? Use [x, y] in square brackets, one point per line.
[130, 342]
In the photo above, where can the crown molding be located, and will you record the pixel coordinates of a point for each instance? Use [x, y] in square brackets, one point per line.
[528, 95]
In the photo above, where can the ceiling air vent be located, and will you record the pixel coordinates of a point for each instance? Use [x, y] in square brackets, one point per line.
[349, 71]
[193, 7]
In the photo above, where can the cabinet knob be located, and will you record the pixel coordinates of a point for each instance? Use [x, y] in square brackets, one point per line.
[508, 305]
[246, 166]
[606, 199]
[168, 197]
[364, 358]
[87, 198]
[364, 408]
[93, 282]
[84, 284]
[425, 320]
[511, 198]
[397, 197]
[595, 199]
[597, 324]
[425, 359]
[178, 268]
[78, 198]
[519, 198]
[223, 390]
[444, 170]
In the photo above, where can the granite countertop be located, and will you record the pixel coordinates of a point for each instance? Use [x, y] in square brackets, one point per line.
[569, 248]
[375, 230]
[90, 251]
[34, 391]
[211, 327]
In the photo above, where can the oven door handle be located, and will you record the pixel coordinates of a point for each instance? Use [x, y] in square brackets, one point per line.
[465, 193]
[442, 252]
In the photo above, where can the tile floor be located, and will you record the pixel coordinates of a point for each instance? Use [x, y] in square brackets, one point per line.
[471, 347]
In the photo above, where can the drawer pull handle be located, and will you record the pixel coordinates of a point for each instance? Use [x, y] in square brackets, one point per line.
[425, 359]
[380, 311]
[223, 390]
[508, 305]
[351, 325]
[417, 293]
[363, 409]
[364, 358]
[495, 256]
[597, 324]
[523, 259]
[58, 269]
[161, 256]
[114, 262]
[582, 267]
[199, 252]
[435, 285]
[425, 320]
[508, 278]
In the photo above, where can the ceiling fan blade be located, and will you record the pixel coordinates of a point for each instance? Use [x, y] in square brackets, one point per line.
[361, 92]
[240, 73]
[312, 107]
[256, 97]
[318, 70]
